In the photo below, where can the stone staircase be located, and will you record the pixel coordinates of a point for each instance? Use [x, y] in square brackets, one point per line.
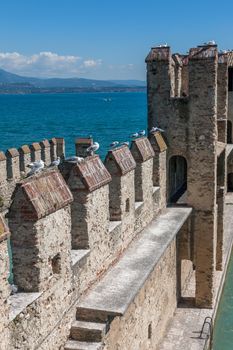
[88, 330]
[86, 335]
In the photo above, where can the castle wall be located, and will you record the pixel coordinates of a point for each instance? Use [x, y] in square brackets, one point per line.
[60, 249]
[147, 316]
[4, 286]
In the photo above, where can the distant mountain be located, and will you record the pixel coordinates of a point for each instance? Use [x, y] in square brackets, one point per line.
[129, 82]
[10, 80]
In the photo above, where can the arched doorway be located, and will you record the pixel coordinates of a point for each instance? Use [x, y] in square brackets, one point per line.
[230, 182]
[177, 178]
[229, 131]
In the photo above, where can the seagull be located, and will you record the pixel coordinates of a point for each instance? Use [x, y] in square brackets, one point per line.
[56, 162]
[75, 159]
[209, 43]
[114, 144]
[155, 128]
[93, 148]
[142, 133]
[126, 143]
[35, 167]
[134, 135]
[14, 289]
[163, 45]
[36, 164]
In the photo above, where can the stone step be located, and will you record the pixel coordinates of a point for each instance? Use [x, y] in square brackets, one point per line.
[88, 331]
[91, 315]
[78, 345]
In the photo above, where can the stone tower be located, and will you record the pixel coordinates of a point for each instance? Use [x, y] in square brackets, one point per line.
[188, 98]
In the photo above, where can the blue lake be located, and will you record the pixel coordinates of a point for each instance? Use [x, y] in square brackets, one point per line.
[106, 116]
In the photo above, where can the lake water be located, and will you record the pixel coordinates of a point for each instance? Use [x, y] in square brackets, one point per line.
[223, 330]
[106, 116]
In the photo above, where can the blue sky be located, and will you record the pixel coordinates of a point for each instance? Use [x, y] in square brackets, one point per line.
[104, 39]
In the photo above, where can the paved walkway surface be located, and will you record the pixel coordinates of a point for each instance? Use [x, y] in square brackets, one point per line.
[114, 293]
[184, 330]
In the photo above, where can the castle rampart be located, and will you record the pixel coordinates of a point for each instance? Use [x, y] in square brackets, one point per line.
[103, 252]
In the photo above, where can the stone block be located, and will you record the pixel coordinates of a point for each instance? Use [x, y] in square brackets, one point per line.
[60, 147]
[13, 169]
[53, 149]
[81, 145]
[35, 151]
[88, 182]
[143, 154]
[24, 158]
[45, 152]
[121, 164]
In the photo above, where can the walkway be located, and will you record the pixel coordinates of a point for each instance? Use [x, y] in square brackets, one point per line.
[184, 330]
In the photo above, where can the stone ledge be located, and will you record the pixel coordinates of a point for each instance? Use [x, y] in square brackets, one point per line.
[229, 148]
[220, 147]
[113, 225]
[155, 189]
[138, 205]
[19, 302]
[78, 257]
[114, 293]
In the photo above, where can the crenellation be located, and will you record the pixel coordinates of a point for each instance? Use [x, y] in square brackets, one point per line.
[34, 214]
[121, 164]
[24, 158]
[60, 142]
[142, 152]
[87, 181]
[159, 177]
[45, 152]
[81, 145]
[13, 169]
[53, 149]
[3, 168]
[35, 151]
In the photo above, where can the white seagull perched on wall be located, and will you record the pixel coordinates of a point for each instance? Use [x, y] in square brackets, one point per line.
[56, 162]
[142, 133]
[155, 128]
[75, 159]
[114, 144]
[134, 135]
[35, 167]
[93, 148]
[125, 143]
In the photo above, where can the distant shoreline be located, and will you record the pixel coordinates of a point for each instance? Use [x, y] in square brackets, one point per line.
[23, 91]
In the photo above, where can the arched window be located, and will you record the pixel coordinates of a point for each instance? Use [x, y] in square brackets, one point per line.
[230, 182]
[177, 177]
[229, 131]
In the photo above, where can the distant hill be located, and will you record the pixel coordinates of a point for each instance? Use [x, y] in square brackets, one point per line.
[12, 82]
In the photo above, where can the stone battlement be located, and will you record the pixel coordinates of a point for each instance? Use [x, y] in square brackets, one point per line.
[69, 225]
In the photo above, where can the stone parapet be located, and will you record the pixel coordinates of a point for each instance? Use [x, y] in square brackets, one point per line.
[88, 181]
[45, 152]
[39, 218]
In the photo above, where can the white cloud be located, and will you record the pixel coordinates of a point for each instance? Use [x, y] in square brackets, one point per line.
[92, 63]
[46, 64]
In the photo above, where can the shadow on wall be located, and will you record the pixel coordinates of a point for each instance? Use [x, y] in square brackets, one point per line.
[177, 178]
